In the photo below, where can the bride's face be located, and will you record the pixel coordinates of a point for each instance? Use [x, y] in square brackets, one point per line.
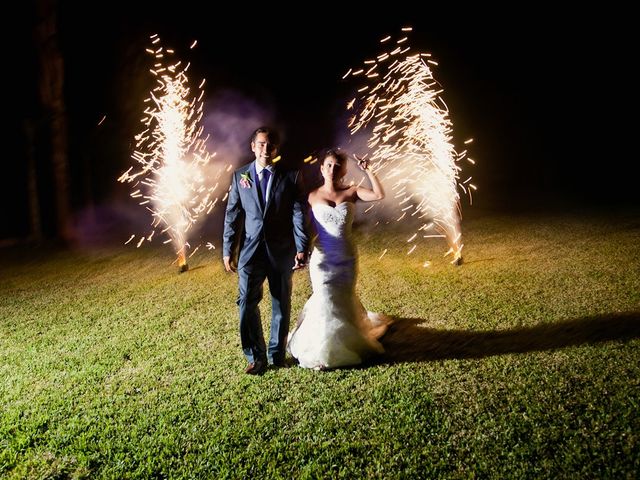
[332, 169]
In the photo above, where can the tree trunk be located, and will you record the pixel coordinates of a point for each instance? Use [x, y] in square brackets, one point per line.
[52, 97]
[35, 225]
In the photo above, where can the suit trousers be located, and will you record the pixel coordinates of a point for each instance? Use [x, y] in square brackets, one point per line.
[251, 280]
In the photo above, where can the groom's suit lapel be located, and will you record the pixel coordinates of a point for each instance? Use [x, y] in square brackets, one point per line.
[275, 181]
[254, 184]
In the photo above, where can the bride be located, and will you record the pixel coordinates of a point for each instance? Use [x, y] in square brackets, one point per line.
[334, 329]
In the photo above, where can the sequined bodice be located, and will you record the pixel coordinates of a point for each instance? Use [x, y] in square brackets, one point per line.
[333, 226]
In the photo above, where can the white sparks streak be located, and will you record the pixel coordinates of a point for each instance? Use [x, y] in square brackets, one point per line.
[410, 137]
[172, 155]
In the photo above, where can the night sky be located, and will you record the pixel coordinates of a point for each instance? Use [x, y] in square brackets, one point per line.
[544, 94]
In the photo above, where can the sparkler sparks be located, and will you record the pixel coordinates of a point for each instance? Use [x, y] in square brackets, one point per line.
[172, 155]
[409, 134]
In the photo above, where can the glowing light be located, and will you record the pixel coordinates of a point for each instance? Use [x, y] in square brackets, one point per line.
[172, 158]
[409, 134]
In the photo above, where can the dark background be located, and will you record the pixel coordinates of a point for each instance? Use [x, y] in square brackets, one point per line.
[548, 96]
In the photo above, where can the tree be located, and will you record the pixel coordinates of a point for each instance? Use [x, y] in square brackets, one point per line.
[51, 90]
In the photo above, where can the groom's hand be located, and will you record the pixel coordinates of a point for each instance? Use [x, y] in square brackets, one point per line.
[300, 261]
[228, 266]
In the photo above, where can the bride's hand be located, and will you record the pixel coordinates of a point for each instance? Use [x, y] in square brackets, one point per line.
[362, 163]
[300, 261]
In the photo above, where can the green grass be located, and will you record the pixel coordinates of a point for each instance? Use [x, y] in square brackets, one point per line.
[522, 363]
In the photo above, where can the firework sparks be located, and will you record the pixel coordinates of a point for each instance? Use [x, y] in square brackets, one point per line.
[409, 133]
[172, 155]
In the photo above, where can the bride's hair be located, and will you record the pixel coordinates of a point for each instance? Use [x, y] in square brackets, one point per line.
[338, 154]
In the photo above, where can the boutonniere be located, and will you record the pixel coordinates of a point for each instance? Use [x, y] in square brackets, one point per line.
[245, 180]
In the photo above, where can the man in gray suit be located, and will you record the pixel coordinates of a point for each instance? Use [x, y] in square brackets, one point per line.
[266, 215]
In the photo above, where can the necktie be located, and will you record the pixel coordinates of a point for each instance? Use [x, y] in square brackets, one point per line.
[263, 184]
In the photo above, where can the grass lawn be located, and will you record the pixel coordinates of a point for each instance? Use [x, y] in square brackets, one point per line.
[522, 363]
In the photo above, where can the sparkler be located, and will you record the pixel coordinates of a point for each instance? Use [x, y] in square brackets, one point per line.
[409, 134]
[172, 155]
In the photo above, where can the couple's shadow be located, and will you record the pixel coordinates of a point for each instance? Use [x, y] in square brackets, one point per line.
[408, 341]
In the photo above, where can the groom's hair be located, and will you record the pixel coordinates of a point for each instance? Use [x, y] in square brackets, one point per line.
[272, 135]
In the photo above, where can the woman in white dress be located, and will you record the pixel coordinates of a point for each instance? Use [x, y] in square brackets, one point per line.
[334, 329]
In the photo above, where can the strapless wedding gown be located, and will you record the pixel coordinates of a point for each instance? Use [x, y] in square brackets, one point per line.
[334, 329]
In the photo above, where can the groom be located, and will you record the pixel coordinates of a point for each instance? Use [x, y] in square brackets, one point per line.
[266, 214]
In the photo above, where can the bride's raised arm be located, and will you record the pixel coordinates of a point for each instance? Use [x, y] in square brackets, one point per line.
[366, 194]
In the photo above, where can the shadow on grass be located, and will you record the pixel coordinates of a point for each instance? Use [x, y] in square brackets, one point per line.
[191, 269]
[407, 341]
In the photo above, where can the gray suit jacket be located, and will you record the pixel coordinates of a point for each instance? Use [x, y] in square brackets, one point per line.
[281, 225]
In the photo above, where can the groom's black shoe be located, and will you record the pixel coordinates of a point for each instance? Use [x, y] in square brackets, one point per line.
[279, 363]
[256, 368]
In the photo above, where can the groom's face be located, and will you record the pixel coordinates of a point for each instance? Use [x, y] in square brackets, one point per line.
[263, 149]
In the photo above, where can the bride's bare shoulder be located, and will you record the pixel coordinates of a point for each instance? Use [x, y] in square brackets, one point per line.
[314, 194]
[351, 193]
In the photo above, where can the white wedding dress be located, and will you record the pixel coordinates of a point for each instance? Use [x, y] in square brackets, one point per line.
[334, 329]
